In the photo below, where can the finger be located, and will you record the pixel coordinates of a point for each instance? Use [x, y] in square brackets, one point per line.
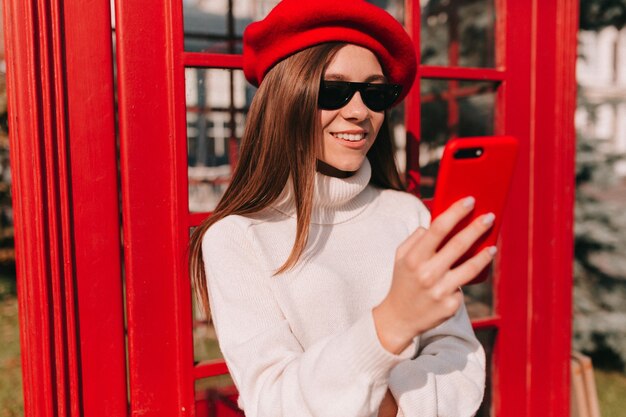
[410, 241]
[462, 241]
[439, 264]
[443, 225]
[469, 269]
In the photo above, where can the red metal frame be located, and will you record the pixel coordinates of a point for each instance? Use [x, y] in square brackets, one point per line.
[533, 286]
[553, 150]
[67, 222]
[64, 172]
[454, 74]
[216, 367]
[153, 157]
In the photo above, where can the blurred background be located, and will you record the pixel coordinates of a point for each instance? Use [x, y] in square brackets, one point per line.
[599, 325]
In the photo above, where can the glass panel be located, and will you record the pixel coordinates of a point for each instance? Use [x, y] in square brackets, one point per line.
[479, 297]
[205, 346]
[458, 33]
[393, 7]
[216, 397]
[396, 115]
[214, 382]
[216, 391]
[487, 338]
[216, 26]
[451, 108]
[217, 102]
[398, 133]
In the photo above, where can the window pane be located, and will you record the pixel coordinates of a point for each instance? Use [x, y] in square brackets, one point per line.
[398, 134]
[205, 346]
[451, 108]
[217, 103]
[393, 7]
[458, 33]
[487, 338]
[216, 391]
[216, 26]
[214, 399]
[396, 115]
[479, 297]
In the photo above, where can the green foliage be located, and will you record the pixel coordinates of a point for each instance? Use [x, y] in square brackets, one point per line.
[600, 228]
[600, 257]
[611, 388]
[11, 399]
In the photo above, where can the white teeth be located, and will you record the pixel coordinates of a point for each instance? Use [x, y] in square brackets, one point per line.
[350, 137]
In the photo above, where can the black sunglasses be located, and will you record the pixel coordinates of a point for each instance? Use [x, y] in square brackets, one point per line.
[334, 95]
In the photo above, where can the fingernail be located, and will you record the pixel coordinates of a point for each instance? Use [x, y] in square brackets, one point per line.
[469, 202]
[492, 250]
[488, 219]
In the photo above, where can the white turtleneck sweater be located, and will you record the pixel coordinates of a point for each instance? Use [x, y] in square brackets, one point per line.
[303, 343]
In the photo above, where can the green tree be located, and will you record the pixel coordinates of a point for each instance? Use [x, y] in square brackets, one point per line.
[600, 226]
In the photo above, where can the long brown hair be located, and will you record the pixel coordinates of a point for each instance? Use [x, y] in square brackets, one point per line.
[281, 137]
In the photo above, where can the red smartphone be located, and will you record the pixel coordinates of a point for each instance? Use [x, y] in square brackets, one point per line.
[481, 167]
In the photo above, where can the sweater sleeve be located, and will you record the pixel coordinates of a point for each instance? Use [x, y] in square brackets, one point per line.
[343, 375]
[447, 378]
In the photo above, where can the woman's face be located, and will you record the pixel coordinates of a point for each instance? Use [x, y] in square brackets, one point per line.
[350, 131]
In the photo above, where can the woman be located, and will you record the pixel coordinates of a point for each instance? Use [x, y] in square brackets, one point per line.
[328, 295]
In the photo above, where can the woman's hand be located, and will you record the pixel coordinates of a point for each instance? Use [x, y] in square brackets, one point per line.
[425, 290]
[388, 407]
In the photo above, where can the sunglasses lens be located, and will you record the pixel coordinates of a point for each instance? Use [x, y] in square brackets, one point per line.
[334, 94]
[379, 97]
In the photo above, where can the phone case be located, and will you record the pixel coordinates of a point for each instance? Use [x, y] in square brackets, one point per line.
[481, 167]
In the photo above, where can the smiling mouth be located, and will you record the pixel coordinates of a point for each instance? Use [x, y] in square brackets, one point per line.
[351, 137]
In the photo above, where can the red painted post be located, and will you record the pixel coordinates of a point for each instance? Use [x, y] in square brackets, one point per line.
[553, 147]
[95, 208]
[153, 159]
[412, 102]
[511, 356]
[61, 118]
[535, 289]
[31, 249]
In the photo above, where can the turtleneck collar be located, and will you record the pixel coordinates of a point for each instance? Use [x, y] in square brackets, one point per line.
[335, 200]
[331, 171]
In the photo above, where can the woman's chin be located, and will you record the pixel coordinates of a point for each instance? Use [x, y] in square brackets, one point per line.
[349, 165]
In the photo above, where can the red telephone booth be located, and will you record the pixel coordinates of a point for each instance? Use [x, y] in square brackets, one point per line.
[110, 142]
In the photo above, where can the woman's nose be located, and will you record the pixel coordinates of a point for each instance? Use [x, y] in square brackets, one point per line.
[355, 108]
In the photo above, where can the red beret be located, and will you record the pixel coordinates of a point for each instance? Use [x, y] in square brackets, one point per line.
[294, 25]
